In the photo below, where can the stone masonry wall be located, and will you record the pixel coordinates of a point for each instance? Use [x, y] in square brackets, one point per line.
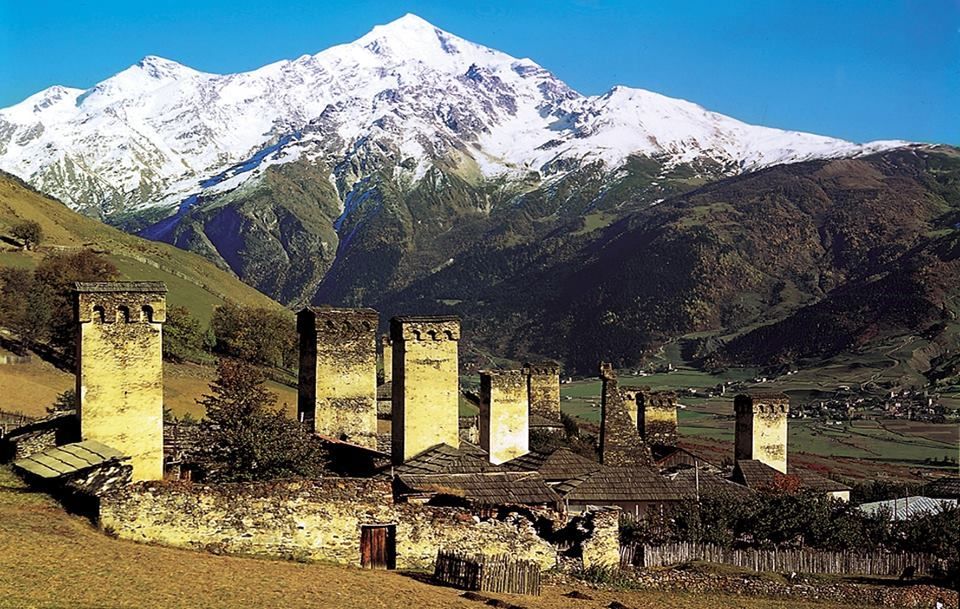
[120, 370]
[504, 414]
[620, 443]
[543, 388]
[426, 385]
[658, 418]
[761, 428]
[337, 395]
[308, 520]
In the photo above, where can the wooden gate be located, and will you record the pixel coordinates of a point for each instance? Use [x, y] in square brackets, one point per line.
[378, 546]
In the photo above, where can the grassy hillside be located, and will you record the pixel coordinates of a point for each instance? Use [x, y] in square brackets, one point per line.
[52, 560]
[192, 281]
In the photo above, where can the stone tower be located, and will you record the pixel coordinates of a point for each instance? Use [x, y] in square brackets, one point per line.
[386, 353]
[120, 369]
[426, 386]
[620, 443]
[761, 431]
[632, 396]
[657, 419]
[337, 394]
[504, 414]
[543, 389]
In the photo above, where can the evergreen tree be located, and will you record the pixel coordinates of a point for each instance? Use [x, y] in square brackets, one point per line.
[247, 437]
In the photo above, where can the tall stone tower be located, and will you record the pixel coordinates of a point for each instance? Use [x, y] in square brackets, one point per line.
[337, 395]
[543, 389]
[632, 396]
[657, 419]
[120, 369]
[761, 431]
[504, 414]
[386, 351]
[426, 385]
[620, 443]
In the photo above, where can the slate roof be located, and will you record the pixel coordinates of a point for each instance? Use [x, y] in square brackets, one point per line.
[756, 474]
[487, 488]
[561, 464]
[685, 481]
[621, 484]
[445, 459]
[947, 487]
[68, 459]
[907, 507]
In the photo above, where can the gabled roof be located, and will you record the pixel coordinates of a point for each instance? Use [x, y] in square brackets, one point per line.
[486, 488]
[688, 481]
[68, 459]
[756, 474]
[626, 484]
[445, 459]
[561, 464]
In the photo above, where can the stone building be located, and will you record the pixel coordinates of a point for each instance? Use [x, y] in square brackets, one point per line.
[504, 414]
[337, 396]
[761, 428]
[543, 388]
[657, 418]
[426, 385]
[386, 360]
[120, 370]
[620, 442]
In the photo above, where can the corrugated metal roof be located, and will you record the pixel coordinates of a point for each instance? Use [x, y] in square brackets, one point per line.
[67, 459]
[907, 507]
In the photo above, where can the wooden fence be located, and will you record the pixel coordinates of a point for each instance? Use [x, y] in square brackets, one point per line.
[487, 573]
[782, 561]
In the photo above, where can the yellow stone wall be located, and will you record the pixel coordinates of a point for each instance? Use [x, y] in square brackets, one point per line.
[761, 429]
[658, 418]
[337, 394]
[120, 371]
[386, 351]
[632, 396]
[315, 520]
[543, 388]
[426, 387]
[504, 419]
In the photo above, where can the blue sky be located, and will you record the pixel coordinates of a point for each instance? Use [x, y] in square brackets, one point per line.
[858, 69]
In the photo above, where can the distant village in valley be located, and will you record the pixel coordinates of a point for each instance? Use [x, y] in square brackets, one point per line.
[381, 471]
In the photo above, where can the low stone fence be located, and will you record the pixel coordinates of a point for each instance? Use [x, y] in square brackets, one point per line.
[781, 561]
[320, 519]
[487, 573]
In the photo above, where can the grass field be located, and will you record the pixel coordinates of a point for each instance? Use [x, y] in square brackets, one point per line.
[710, 420]
[52, 560]
[30, 388]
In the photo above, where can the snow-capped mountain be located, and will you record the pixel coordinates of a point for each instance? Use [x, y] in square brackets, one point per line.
[160, 133]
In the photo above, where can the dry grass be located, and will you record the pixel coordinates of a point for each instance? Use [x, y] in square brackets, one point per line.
[30, 388]
[51, 560]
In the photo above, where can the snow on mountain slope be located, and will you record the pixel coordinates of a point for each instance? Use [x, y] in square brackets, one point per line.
[409, 93]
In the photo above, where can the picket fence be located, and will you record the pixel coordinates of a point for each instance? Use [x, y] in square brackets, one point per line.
[782, 561]
[487, 573]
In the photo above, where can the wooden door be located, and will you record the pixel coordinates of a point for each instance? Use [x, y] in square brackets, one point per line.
[378, 547]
